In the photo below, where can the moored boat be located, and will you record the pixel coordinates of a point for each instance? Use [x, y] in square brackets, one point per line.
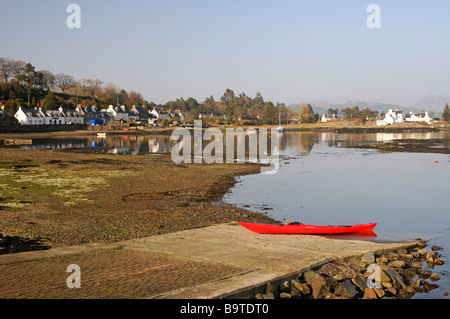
[306, 229]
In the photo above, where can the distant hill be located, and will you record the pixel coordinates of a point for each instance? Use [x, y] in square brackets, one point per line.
[434, 103]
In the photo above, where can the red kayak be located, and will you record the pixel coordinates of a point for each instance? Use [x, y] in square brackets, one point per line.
[305, 229]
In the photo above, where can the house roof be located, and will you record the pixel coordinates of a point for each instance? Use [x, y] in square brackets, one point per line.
[31, 112]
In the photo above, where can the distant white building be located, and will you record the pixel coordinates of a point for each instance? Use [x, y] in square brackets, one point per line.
[118, 113]
[327, 117]
[39, 116]
[419, 117]
[29, 116]
[391, 117]
[72, 116]
[53, 117]
[161, 114]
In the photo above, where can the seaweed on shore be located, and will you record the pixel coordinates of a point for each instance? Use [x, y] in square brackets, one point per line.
[16, 244]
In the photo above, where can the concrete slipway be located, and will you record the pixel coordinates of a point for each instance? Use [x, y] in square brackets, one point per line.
[258, 258]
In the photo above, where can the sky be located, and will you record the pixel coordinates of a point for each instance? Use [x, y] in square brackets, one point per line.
[289, 51]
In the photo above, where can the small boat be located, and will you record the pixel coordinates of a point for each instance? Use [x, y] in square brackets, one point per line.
[101, 134]
[306, 229]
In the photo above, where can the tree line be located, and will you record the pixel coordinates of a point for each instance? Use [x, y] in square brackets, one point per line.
[22, 85]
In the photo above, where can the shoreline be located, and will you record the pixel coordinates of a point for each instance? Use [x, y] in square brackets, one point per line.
[316, 127]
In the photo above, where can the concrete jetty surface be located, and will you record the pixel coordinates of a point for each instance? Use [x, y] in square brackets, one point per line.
[221, 261]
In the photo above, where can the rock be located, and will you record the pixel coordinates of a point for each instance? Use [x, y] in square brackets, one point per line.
[380, 292]
[395, 276]
[415, 254]
[438, 261]
[416, 285]
[284, 287]
[370, 294]
[436, 248]
[301, 287]
[391, 290]
[360, 282]
[397, 264]
[402, 251]
[368, 258]
[392, 255]
[330, 295]
[258, 296]
[316, 282]
[272, 289]
[423, 273]
[427, 286]
[346, 289]
[383, 259]
[347, 271]
[295, 293]
[430, 256]
[406, 292]
[435, 277]
[285, 295]
[422, 251]
[446, 293]
[384, 277]
[417, 265]
[268, 296]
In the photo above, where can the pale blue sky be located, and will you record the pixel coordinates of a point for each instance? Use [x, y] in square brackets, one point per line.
[290, 51]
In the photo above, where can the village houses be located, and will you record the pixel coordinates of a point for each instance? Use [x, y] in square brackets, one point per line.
[90, 115]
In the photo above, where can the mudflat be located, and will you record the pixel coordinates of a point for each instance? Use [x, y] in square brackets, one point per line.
[52, 199]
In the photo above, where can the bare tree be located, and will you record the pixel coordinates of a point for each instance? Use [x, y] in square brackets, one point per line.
[82, 86]
[48, 80]
[110, 93]
[64, 82]
[10, 68]
[18, 67]
[94, 88]
[134, 98]
[6, 68]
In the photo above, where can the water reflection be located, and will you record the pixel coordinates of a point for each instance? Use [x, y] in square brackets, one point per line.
[298, 143]
[120, 145]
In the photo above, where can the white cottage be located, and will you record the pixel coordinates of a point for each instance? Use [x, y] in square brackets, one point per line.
[161, 114]
[391, 117]
[118, 113]
[419, 117]
[328, 117]
[29, 116]
[53, 117]
[72, 116]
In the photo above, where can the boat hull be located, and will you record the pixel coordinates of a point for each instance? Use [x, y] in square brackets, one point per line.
[306, 229]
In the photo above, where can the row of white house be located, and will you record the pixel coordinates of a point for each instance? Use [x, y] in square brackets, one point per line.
[396, 116]
[391, 117]
[91, 115]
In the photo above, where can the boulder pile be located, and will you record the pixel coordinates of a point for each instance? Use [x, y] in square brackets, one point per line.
[396, 275]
